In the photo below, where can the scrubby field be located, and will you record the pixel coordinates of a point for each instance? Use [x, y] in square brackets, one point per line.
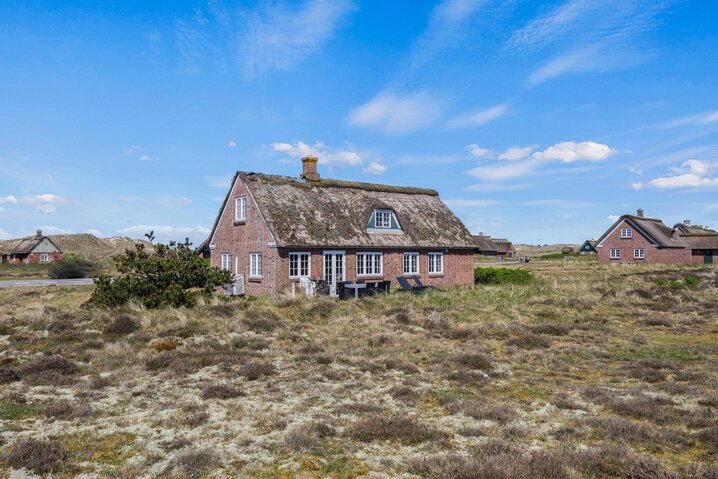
[590, 372]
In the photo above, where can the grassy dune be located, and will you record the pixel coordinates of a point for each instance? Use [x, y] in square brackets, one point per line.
[591, 372]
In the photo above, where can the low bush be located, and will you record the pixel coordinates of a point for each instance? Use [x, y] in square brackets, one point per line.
[502, 276]
[474, 361]
[402, 429]
[552, 329]
[307, 435]
[221, 391]
[122, 325]
[67, 411]
[8, 374]
[48, 370]
[42, 457]
[256, 369]
[171, 275]
[196, 463]
[529, 341]
[73, 267]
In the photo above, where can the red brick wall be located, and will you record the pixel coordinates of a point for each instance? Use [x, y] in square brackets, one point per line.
[697, 256]
[627, 245]
[241, 239]
[458, 266]
[33, 258]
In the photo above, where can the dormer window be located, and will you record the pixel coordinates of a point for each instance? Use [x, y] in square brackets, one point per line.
[626, 233]
[383, 221]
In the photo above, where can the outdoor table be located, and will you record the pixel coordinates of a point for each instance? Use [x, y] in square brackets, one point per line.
[356, 287]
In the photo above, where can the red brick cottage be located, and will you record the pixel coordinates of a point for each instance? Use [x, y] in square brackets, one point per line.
[636, 238]
[34, 249]
[271, 231]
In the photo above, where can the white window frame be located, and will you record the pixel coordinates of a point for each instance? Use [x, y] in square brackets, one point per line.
[386, 215]
[615, 253]
[255, 265]
[364, 264]
[433, 266]
[626, 233]
[299, 265]
[240, 208]
[412, 261]
[639, 253]
[44, 257]
[226, 262]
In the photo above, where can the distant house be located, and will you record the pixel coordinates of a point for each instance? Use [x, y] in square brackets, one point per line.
[272, 231]
[505, 249]
[484, 245]
[203, 250]
[34, 249]
[588, 247]
[637, 238]
[567, 250]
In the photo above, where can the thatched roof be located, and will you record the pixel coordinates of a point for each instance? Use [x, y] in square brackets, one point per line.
[336, 213]
[701, 240]
[484, 244]
[22, 245]
[502, 244]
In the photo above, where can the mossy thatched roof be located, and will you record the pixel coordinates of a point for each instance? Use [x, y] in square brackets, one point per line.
[335, 213]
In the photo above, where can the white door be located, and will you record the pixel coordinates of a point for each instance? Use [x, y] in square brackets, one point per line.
[334, 267]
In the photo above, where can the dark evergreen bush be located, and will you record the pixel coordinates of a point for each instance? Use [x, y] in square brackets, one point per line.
[171, 275]
[72, 267]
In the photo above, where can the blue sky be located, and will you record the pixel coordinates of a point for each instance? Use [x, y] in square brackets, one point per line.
[537, 121]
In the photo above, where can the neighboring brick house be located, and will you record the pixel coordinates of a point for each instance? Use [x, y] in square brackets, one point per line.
[505, 248]
[636, 238]
[484, 245]
[588, 248]
[274, 230]
[35, 249]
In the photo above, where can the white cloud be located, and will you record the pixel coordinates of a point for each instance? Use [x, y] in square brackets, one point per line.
[479, 118]
[131, 150]
[396, 114]
[165, 233]
[325, 154]
[478, 152]
[613, 218]
[8, 199]
[97, 233]
[691, 174]
[45, 203]
[185, 200]
[704, 118]
[513, 154]
[145, 158]
[278, 37]
[637, 186]
[375, 168]
[232, 144]
[687, 180]
[569, 151]
[55, 230]
[505, 171]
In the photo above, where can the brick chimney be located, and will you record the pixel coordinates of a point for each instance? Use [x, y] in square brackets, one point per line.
[639, 213]
[309, 168]
[38, 233]
[687, 222]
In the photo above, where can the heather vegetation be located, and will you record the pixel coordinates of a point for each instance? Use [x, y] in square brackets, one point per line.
[586, 371]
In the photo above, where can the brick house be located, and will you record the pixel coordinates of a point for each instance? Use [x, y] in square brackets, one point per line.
[588, 248]
[271, 231]
[637, 238]
[505, 248]
[484, 245]
[35, 249]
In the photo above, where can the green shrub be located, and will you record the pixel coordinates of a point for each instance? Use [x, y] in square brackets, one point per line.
[72, 267]
[502, 276]
[172, 275]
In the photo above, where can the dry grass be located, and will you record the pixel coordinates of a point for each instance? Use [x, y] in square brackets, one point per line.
[590, 372]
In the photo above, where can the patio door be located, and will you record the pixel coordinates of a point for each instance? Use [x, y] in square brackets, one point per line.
[708, 256]
[334, 267]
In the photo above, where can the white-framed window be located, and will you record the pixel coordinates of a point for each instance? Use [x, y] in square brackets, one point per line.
[370, 264]
[615, 253]
[255, 265]
[226, 262]
[240, 208]
[300, 265]
[639, 253]
[436, 263]
[382, 219]
[411, 263]
[626, 232]
[44, 258]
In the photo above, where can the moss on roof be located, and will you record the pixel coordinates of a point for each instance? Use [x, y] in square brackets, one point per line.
[332, 183]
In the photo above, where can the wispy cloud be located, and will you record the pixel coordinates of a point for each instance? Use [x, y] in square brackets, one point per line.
[469, 202]
[271, 36]
[44, 203]
[8, 199]
[479, 118]
[375, 168]
[397, 114]
[518, 153]
[591, 35]
[705, 118]
[326, 155]
[478, 152]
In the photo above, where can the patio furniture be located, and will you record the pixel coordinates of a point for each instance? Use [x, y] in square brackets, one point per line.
[356, 287]
[406, 286]
[419, 284]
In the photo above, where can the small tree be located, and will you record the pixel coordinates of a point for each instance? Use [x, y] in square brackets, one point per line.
[72, 266]
[172, 275]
